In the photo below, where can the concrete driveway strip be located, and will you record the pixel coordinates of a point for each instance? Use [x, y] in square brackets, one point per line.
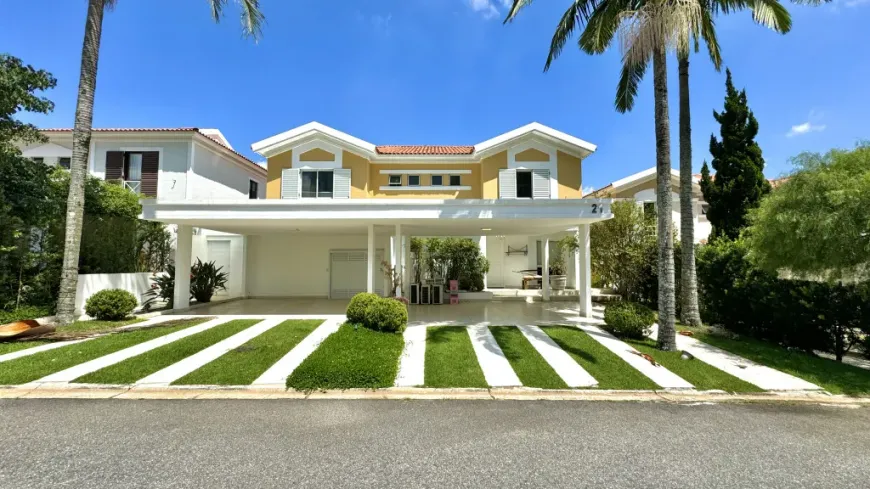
[72, 373]
[38, 349]
[496, 368]
[570, 371]
[276, 376]
[412, 363]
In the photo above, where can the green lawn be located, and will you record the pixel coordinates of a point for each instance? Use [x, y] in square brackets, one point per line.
[14, 346]
[609, 370]
[95, 326]
[350, 358]
[836, 378]
[36, 366]
[247, 362]
[141, 366]
[528, 364]
[450, 359]
[702, 375]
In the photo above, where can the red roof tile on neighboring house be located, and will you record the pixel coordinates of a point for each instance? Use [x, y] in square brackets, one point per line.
[424, 150]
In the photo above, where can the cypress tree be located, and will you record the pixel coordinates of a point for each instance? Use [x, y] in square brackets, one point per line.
[739, 183]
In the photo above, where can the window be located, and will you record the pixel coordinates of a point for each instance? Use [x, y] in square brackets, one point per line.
[649, 209]
[133, 171]
[316, 184]
[253, 190]
[38, 159]
[524, 184]
[413, 180]
[455, 180]
[437, 180]
[395, 180]
[64, 162]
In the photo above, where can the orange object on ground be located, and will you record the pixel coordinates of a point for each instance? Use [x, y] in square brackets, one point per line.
[20, 329]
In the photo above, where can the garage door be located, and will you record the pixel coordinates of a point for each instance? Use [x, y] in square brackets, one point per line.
[219, 253]
[348, 273]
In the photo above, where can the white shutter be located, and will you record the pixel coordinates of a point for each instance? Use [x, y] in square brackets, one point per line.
[541, 184]
[341, 183]
[290, 183]
[507, 184]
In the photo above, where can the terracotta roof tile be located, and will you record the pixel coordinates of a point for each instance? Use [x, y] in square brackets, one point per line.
[424, 150]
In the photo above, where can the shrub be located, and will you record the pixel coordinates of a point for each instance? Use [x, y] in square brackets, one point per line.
[166, 285]
[24, 312]
[628, 319]
[386, 315]
[205, 280]
[356, 310]
[110, 305]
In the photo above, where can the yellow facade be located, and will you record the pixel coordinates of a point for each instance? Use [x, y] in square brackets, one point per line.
[367, 180]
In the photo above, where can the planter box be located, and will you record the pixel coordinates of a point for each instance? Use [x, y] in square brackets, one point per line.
[558, 282]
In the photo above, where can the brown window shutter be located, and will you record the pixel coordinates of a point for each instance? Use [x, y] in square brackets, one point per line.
[150, 165]
[114, 165]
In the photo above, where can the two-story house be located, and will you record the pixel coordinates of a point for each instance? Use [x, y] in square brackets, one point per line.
[337, 205]
[169, 165]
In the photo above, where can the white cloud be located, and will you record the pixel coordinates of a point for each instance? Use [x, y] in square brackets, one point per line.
[587, 190]
[805, 128]
[484, 7]
[855, 3]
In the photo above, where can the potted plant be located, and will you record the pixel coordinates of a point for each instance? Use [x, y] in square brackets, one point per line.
[558, 279]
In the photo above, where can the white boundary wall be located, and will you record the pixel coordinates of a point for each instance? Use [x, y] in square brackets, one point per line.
[91, 283]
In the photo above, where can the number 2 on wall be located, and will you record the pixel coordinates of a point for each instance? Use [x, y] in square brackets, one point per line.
[598, 208]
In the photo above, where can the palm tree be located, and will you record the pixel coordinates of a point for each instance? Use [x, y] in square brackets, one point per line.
[252, 21]
[648, 29]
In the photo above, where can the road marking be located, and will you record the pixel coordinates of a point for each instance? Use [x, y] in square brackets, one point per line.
[742, 368]
[412, 363]
[496, 368]
[72, 373]
[276, 375]
[178, 370]
[658, 374]
[570, 371]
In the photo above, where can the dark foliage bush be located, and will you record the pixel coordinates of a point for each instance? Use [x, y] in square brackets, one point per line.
[628, 319]
[386, 315]
[205, 280]
[110, 305]
[356, 310]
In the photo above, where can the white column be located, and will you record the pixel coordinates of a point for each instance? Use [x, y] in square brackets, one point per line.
[370, 279]
[584, 288]
[483, 251]
[397, 256]
[575, 260]
[183, 251]
[545, 267]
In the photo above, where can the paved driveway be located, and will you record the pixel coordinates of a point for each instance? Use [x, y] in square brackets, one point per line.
[101, 444]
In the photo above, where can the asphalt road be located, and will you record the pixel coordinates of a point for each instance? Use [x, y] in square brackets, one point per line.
[331, 444]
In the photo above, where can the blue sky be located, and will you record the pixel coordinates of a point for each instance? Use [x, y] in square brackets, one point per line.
[438, 72]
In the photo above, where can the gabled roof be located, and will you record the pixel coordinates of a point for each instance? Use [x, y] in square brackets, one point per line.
[630, 181]
[314, 130]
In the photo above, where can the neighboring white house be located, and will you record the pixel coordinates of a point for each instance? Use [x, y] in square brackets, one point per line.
[171, 164]
[641, 187]
[337, 205]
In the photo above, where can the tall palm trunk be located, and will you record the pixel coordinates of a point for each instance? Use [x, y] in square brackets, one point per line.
[667, 339]
[79, 164]
[689, 281]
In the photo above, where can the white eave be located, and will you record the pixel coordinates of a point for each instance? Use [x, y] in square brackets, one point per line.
[638, 178]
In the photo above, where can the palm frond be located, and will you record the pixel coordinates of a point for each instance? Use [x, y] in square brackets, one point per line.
[602, 26]
[771, 14]
[653, 24]
[252, 17]
[516, 6]
[708, 33]
[629, 80]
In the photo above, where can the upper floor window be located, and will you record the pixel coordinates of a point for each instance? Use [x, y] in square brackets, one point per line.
[317, 183]
[253, 189]
[437, 180]
[38, 159]
[524, 184]
[395, 180]
[413, 180]
[455, 180]
[64, 162]
[133, 171]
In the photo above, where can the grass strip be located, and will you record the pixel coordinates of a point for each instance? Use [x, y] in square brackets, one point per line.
[37, 366]
[450, 359]
[350, 358]
[609, 370]
[14, 346]
[96, 326]
[528, 364]
[141, 366]
[246, 363]
[834, 377]
[702, 375]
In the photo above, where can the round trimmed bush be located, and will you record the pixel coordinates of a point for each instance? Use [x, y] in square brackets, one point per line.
[628, 319]
[356, 310]
[387, 315]
[110, 305]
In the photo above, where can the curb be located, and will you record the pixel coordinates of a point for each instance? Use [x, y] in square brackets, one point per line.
[414, 393]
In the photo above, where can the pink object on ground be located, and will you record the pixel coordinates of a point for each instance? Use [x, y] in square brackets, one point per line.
[454, 299]
[454, 285]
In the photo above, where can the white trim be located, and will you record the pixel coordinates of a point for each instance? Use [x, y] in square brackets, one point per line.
[280, 142]
[535, 128]
[317, 144]
[47, 150]
[552, 165]
[425, 172]
[639, 177]
[426, 187]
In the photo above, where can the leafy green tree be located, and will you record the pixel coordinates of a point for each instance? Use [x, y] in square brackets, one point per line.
[817, 224]
[620, 249]
[739, 182]
[18, 87]
[252, 20]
